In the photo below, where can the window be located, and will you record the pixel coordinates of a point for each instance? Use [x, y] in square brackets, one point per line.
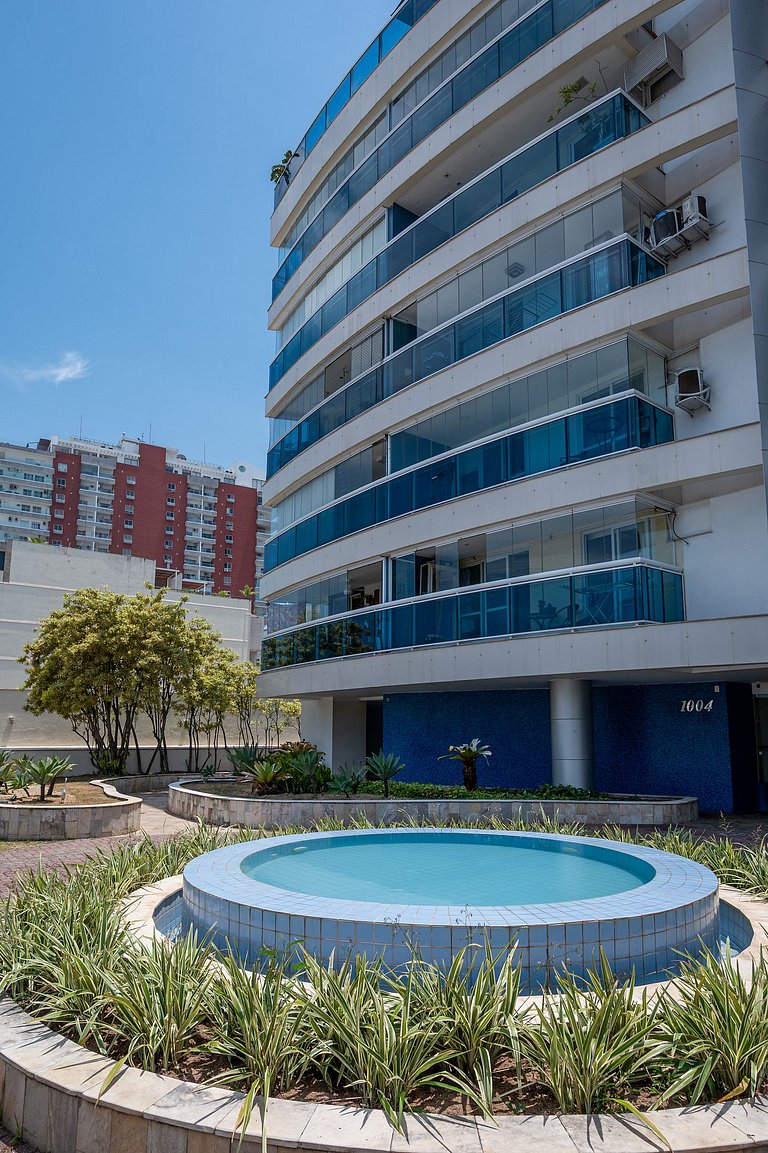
[230, 524]
[171, 500]
[128, 523]
[230, 512]
[126, 552]
[171, 488]
[59, 468]
[129, 508]
[227, 581]
[167, 560]
[60, 498]
[231, 497]
[57, 512]
[61, 483]
[169, 516]
[127, 538]
[228, 538]
[169, 529]
[227, 552]
[131, 480]
[227, 566]
[58, 528]
[169, 544]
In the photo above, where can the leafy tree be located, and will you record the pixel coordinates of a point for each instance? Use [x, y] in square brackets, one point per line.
[204, 700]
[278, 715]
[283, 168]
[87, 664]
[244, 701]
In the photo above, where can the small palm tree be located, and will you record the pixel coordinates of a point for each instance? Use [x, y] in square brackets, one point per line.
[469, 755]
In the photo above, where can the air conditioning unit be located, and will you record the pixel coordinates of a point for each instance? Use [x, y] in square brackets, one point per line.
[666, 224]
[694, 206]
[691, 392]
[660, 57]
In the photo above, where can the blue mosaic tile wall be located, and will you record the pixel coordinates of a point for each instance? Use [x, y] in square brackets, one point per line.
[421, 726]
[658, 739]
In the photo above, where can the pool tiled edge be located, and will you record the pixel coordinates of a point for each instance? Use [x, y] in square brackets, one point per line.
[644, 928]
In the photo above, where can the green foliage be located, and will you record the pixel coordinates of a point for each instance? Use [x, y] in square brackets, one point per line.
[348, 780]
[571, 92]
[43, 773]
[592, 1043]
[266, 775]
[715, 1030]
[13, 776]
[307, 771]
[384, 767]
[468, 754]
[277, 716]
[417, 791]
[283, 168]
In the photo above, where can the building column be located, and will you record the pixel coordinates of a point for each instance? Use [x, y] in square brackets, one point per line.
[570, 718]
[337, 727]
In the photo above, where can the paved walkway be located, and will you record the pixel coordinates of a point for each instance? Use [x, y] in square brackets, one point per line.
[156, 822]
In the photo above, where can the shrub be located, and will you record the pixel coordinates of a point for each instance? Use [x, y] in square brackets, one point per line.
[384, 767]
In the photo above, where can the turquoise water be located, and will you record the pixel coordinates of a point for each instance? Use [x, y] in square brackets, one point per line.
[479, 869]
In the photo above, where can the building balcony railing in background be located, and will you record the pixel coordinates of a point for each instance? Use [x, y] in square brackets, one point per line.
[611, 119]
[524, 38]
[618, 265]
[594, 431]
[627, 594]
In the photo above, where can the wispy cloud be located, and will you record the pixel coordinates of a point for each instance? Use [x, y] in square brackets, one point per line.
[70, 366]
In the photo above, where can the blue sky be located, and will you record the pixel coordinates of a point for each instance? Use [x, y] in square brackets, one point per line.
[137, 138]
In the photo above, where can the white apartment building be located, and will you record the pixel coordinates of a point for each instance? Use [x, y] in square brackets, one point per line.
[518, 405]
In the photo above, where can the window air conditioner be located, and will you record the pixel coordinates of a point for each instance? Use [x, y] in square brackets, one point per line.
[665, 225]
[691, 391]
[694, 206]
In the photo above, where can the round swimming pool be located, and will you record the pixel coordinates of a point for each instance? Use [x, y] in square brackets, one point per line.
[560, 899]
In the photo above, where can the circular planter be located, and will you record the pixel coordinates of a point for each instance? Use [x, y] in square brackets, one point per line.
[71, 822]
[50, 1092]
[281, 812]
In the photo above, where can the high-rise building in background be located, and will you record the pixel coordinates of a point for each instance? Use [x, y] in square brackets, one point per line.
[203, 526]
[519, 404]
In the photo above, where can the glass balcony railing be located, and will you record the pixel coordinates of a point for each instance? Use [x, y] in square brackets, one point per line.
[621, 264]
[627, 594]
[614, 118]
[392, 33]
[599, 430]
[523, 39]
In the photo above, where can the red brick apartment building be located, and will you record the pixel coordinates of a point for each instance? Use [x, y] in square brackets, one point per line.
[203, 526]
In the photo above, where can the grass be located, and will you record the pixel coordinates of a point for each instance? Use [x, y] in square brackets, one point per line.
[393, 1041]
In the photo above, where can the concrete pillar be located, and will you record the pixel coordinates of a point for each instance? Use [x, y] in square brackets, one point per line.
[337, 727]
[570, 717]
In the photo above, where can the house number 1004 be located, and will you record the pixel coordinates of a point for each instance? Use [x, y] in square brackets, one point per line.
[699, 706]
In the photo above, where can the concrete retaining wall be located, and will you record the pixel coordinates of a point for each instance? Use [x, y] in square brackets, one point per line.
[50, 1095]
[272, 814]
[70, 822]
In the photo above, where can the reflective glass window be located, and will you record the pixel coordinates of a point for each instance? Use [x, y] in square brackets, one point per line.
[365, 65]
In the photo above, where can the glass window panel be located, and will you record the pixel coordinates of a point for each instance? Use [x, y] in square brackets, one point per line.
[550, 246]
[557, 542]
[471, 288]
[447, 301]
[433, 113]
[330, 640]
[518, 399]
[393, 34]
[578, 231]
[478, 200]
[469, 335]
[520, 262]
[608, 218]
[495, 276]
[529, 168]
[401, 624]
[360, 634]
[339, 99]
[496, 612]
[447, 566]
[434, 621]
[470, 471]
[470, 616]
[476, 77]
[398, 373]
[435, 483]
[657, 377]
[404, 577]
[434, 353]
[306, 646]
[306, 536]
[433, 231]
[365, 65]
[359, 512]
[315, 132]
[582, 372]
[330, 524]
[401, 495]
[500, 420]
[611, 370]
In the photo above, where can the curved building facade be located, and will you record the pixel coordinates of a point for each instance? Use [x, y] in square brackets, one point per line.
[518, 401]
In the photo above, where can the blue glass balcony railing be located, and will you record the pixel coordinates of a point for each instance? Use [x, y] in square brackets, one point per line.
[499, 58]
[614, 118]
[602, 429]
[391, 34]
[622, 264]
[628, 594]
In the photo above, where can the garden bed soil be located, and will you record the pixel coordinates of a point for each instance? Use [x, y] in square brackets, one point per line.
[77, 793]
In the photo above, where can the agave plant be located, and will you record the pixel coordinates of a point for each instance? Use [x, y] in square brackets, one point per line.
[469, 754]
[347, 780]
[44, 772]
[384, 767]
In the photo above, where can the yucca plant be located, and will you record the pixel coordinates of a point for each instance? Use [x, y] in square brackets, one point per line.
[476, 1001]
[468, 754]
[715, 1030]
[377, 1038]
[592, 1042]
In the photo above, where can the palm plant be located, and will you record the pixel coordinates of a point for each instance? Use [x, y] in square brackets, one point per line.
[44, 772]
[468, 754]
[384, 767]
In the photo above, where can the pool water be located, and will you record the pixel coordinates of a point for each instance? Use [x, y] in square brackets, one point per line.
[474, 869]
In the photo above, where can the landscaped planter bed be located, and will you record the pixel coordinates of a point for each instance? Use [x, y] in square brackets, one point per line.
[108, 814]
[192, 799]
